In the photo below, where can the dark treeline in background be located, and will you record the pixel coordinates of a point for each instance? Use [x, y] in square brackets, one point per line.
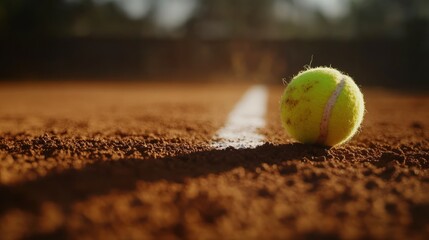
[379, 42]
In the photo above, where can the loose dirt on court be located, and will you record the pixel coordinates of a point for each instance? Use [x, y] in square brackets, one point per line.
[134, 161]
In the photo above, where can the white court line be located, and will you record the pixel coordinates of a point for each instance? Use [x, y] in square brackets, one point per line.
[247, 117]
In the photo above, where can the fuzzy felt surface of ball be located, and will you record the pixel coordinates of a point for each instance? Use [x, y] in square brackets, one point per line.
[322, 106]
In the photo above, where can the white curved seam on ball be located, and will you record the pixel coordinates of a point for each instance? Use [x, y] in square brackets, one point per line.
[328, 109]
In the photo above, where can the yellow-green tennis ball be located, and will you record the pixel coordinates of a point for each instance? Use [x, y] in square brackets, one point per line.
[322, 106]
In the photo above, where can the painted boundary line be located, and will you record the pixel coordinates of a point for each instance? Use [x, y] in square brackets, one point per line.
[247, 117]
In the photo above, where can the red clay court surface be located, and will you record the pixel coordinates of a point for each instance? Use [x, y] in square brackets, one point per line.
[135, 161]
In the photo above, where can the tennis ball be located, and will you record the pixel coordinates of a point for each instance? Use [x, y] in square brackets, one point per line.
[322, 106]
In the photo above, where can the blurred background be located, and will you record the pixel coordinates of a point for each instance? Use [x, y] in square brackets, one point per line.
[378, 42]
